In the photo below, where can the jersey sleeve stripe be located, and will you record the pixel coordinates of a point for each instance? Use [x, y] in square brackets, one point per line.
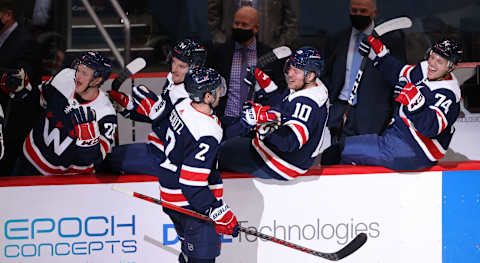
[176, 197]
[275, 163]
[432, 149]
[442, 120]
[194, 176]
[35, 157]
[300, 131]
[405, 72]
[155, 141]
[105, 146]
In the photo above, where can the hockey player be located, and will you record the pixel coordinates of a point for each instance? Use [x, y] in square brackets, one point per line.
[77, 126]
[286, 151]
[193, 136]
[144, 105]
[422, 128]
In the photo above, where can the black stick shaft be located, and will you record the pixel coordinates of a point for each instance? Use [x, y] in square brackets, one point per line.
[351, 247]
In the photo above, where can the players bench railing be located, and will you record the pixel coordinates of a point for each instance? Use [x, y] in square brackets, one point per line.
[126, 24]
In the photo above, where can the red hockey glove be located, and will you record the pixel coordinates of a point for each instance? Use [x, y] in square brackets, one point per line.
[86, 126]
[121, 102]
[263, 84]
[372, 47]
[409, 95]
[225, 220]
[254, 114]
[16, 84]
[147, 103]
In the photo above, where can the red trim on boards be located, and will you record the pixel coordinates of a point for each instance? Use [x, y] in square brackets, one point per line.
[314, 171]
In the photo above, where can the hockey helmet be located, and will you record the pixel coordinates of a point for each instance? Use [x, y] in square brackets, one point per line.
[307, 59]
[100, 64]
[448, 49]
[200, 81]
[189, 52]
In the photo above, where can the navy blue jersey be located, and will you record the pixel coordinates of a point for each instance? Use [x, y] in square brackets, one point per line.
[171, 94]
[192, 139]
[50, 146]
[290, 150]
[429, 128]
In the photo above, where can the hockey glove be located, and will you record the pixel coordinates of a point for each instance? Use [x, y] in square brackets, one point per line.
[266, 129]
[86, 126]
[374, 48]
[16, 85]
[121, 102]
[254, 114]
[262, 83]
[409, 95]
[147, 103]
[225, 220]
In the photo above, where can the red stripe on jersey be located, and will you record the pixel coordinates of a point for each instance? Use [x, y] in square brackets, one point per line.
[302, 132]
[431, 146]
[193, 176]
[406, 70]
[218, 193]
[32, 154]
[173, 198]
[167, 197]
[155, 139]
[276, 163]
[105, 145]
[443, 124]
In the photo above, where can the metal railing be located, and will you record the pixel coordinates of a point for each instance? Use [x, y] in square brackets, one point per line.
[126, 24]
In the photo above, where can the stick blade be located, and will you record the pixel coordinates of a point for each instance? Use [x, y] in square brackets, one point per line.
[353, 246]
[393, 24]
[121, 190]
[136, 65]
[282, 52]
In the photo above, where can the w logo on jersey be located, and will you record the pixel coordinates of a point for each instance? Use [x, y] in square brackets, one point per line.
[54, 136]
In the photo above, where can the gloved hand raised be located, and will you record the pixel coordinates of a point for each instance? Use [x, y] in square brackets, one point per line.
[409, 95]
[15, 84]
[85, 126]
[254, 114]
[147, 103]
[373, 48]
[261, 82]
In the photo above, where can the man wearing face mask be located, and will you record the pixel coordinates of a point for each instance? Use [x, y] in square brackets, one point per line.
[372, 107]
[232, 59]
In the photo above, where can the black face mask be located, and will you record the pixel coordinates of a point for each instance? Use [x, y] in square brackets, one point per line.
[360, 22]
[241, 35]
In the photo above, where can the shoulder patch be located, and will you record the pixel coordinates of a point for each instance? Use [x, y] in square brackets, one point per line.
[319, 94]
[198, 123]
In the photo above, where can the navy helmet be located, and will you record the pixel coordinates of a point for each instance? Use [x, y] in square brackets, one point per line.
[100, 64]
[189, 52]
[200, 81]
[307, 59]
[448, 49]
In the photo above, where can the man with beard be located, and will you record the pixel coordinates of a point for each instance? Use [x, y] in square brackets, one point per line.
[342, 63]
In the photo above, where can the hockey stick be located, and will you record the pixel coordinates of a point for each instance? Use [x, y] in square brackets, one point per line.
[272, 56]
[351, 247]
[133, 67]
[385, 27]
